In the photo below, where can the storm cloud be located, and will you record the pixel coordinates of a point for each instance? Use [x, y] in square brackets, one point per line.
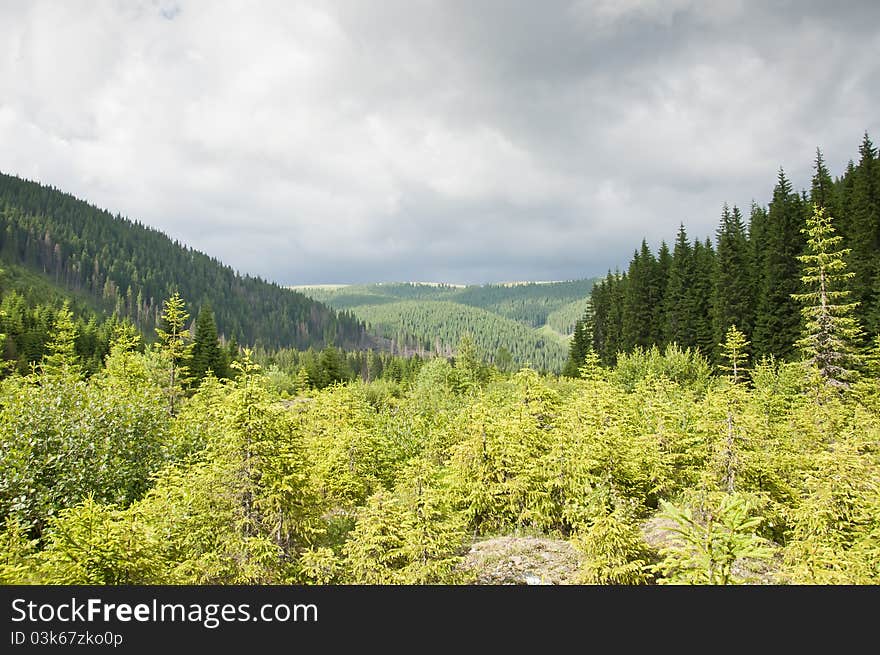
[313, 142]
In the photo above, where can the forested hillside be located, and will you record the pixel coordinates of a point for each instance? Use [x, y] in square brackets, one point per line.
[530, 321]
[126, 268]
[692, 293]
[442, 324]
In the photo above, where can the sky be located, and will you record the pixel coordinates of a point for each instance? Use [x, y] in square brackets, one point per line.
[464, 141]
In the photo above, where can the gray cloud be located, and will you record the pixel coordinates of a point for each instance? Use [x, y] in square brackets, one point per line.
[432, 140]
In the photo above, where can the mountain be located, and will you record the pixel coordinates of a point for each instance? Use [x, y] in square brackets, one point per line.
[531, 321]
[118, 265]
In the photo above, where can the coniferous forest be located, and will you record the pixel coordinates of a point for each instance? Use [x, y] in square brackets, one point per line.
[718, 420]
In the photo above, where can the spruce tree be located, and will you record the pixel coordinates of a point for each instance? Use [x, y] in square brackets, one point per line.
[822, 190]
[778, 322]
[831, 328]
[661, 282]
[864, 236]
[61, 357]
[577, 350]
[639, 300]
[734, 354]
[206, 354]
[678, 307]
[700, 297]
[174, 340]
[732, 297]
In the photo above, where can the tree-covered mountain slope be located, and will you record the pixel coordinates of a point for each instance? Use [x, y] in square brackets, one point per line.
[437, 326]
[125, 267]
[529, 303]
[531, 321]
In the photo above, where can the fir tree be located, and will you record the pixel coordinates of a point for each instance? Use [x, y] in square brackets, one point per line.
[580, 342]
[206, 354]
[61, 357]
[639, 300]
[777, 325]
[732, 302]
[700, 297]
[661, 281]
[733, 354]
[174, 340]
[678, 301]
[831, 328]
[864, 235]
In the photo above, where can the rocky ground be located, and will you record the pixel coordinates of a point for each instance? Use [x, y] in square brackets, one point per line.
[523, 560]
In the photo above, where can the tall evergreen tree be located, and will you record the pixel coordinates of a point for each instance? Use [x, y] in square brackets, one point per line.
[700, 297]
[577, 351]
[732, 297]
[639, 298]
[661, 281]
[831, 328]
[822, 190]
[206, 354]
[864, 235]
[778, 320]
[607, 315]
[678, 309]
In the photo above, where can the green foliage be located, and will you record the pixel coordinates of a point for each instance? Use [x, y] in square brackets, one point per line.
[61, 359]
[614, 551]
[175, 343]
[831, 328]
[206, 354]
[686, 367]
[734, 354]
[708, 546]
[65, 438]
[438, 326]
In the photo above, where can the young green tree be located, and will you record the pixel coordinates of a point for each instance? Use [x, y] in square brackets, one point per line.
[734, 354]
[831, 328]
[61, 358]
[175, 343]
[708, 547]
[614, 551]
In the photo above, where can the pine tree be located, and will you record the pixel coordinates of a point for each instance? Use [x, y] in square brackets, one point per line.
[864, 236]
[822, 191]
[661, 283]
[639, 300]
[732, 299]
[580, 342]
[206, 354]
[678, 301]
[777, 325]
[700, 297]
[831, 328]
